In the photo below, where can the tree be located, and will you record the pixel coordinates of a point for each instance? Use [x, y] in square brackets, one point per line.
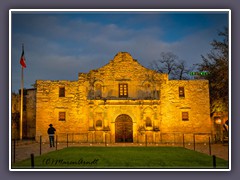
[182, 71]
[167, 63]
[216, 64]
[170, 64]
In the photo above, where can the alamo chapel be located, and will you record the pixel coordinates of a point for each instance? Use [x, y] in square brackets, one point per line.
[123, 102]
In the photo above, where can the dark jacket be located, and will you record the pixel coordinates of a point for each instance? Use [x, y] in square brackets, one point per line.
[51, 130]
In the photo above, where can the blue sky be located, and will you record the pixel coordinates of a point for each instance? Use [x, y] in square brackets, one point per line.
[59, 45]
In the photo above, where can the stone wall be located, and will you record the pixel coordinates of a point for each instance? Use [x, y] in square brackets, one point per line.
[49, 104]
[151, 98]
[196, 103]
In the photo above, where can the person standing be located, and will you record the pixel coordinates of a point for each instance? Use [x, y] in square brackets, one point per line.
[51, 132]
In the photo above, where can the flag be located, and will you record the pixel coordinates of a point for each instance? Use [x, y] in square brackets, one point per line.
[22, 60]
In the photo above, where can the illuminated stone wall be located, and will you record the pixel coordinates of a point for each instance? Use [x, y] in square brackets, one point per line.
[94, 102]
[196, 103]
[49, 104]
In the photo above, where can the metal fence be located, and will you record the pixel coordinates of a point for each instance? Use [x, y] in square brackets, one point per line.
[22, 149]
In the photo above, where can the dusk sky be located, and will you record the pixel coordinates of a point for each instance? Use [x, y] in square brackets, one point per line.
[59, 45]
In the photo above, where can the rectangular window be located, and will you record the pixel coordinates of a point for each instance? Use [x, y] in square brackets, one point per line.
[62, 116]
[62, 92]
[181, 92]
[148, 122]
[123, 90]
[185, 116]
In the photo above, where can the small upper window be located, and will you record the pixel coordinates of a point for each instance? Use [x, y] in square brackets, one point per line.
[123, 90]
[185, 116]
[62, 92]
[62, 116]
[181, 92]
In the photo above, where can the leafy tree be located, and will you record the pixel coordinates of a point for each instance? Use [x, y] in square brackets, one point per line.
[216, 64]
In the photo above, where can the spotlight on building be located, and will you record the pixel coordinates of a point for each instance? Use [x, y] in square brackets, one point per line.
[218, 121]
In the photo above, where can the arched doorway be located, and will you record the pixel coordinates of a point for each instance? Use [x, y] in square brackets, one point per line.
[123, 128]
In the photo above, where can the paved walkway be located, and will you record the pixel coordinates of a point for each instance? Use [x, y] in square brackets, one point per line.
[219, 150]
[24, 150]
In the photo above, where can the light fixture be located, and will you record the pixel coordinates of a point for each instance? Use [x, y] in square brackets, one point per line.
[218, 121]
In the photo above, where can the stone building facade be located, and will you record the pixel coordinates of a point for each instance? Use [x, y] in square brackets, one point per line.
[123, 102]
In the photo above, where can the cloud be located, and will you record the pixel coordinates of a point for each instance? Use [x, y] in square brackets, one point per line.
[59, 48]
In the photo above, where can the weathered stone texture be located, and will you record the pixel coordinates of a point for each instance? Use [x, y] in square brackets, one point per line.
[196, 102]
[95, 96]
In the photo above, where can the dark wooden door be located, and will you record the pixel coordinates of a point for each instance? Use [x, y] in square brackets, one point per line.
[123, 129]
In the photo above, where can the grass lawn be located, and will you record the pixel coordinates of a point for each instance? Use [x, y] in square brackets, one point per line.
[123, 157]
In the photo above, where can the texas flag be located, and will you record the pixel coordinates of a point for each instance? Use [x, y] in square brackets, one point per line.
[22, 60]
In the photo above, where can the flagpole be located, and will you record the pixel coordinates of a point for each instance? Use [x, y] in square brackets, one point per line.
[21, 112]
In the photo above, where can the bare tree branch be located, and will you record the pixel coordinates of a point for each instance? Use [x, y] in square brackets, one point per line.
[170, 64]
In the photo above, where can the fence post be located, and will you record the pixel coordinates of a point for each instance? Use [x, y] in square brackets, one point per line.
[110, 138]
[67, 140]
[173, 138]
[32, 160]
[183, 141]
[40, 145]
[72, 138]
[105, 139]
[194, 142]
[56, 141]
[137, 138]
[92, 137]
[161, 137]
[214, 161]
[146, 139]
[14, 150]
[210, 150]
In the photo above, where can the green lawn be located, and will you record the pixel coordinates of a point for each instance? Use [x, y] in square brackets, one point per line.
[123, 157]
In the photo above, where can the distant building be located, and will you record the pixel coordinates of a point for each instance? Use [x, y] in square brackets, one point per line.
[123, 102]
[29, 114]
